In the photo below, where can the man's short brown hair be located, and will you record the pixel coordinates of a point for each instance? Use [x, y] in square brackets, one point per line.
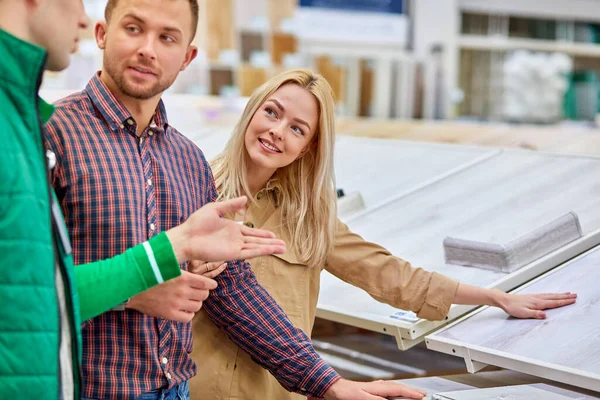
[110, 6]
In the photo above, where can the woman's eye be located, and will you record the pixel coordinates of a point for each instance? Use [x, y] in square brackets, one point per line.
[298, 130]
[270, 112]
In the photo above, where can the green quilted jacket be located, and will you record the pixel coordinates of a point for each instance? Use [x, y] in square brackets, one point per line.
[34, 245]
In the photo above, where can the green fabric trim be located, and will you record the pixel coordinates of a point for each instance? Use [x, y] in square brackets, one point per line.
[165, 256]
[143, 265]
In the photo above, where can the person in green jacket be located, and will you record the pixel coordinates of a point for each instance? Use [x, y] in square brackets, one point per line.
[43, 298]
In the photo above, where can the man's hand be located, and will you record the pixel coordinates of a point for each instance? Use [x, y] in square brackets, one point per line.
[533, 305]
[207, 236]
[177, 299]
[207, 269]
[378, 390]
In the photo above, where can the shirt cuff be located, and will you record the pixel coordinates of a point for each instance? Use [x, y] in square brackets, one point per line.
[318, 379]
[157, 260]
[439, 298]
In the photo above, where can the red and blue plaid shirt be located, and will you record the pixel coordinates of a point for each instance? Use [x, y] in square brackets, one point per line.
[117, 190]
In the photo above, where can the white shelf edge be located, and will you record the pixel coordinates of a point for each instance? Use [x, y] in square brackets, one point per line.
[498, 43]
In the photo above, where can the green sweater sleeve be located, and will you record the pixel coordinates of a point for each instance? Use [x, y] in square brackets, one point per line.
[104, 284]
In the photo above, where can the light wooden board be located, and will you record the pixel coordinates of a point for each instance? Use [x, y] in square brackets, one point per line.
[524, 392]
[434, 384]
[250, 78]
[494, 379]
[282, 44]
[220, 27]
[564, 347]
[280, 10]
[335, 75]
[494, 201]
[381, 169]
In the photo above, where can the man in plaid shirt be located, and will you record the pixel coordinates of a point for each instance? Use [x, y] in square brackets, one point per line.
[123, 175]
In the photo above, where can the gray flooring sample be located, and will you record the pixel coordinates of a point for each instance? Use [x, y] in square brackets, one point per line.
[434, 384]
[382, 168]
[567, 339]
[495, 201]
[520, 392]
[518, 252]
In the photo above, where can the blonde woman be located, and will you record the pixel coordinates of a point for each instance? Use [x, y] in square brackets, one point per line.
[281, 156]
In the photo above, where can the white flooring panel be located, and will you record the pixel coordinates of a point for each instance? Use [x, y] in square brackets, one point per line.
[435, 385]
[494, 201]
[564, 347]
[381, 168]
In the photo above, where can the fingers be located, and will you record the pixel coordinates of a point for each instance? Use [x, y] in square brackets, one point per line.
[196, 296]
[557, 296]
[254, 232]
[548, 304]
[182, 316]
[368, 396]
[196, 266]
[231, 206]
[206, 269]
[253, 252]
[214, 269]
[263, 241]
[198, 281]
[392, 389]
[527, 313]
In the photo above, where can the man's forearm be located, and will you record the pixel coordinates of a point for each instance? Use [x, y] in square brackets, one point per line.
[254, 321]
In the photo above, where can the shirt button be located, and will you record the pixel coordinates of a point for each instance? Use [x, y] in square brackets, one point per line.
[149, 182]
[249, 224]
[168, 376]
[130, 121]
[150, 133]
[152, 227]
[122, 126]
[51, 157]
[165, 360]
[141, 140]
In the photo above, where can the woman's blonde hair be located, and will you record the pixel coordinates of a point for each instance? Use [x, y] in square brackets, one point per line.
[305, 189]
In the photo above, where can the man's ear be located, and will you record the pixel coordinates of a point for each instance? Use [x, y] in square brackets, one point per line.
[100, 34]
[35, 8]
[34, 4]
[191, 53]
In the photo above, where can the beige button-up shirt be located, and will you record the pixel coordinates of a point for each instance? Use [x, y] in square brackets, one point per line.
[226, 372]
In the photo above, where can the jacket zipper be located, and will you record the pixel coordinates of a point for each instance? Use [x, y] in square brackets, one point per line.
[58, 260]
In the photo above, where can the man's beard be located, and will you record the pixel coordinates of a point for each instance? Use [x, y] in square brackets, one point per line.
[132, 91]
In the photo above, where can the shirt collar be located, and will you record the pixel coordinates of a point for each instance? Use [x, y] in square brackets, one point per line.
[113, 111]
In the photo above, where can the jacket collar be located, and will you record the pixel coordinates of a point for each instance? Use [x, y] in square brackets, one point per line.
[21, 72]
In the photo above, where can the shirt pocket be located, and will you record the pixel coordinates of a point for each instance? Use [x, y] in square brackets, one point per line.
[285, 277]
